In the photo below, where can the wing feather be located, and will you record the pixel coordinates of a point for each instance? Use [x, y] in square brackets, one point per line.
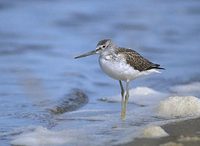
[135, 60]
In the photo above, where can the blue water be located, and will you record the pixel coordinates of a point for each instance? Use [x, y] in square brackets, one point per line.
[38, 40]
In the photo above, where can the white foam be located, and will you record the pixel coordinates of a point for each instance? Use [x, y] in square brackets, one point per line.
[83, 127]
[179, 106]
[41, 136]
[140, 95]
[154, 132]
[187, 89]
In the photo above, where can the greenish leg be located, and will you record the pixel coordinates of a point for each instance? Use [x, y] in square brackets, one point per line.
[123, 100]
[122, 88]
[127, 92]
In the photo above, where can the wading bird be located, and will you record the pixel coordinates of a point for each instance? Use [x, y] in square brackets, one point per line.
[122, 64]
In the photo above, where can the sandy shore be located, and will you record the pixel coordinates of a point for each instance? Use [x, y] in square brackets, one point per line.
[181, 133]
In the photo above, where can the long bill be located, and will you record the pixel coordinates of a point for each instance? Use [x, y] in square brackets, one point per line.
[86, 54]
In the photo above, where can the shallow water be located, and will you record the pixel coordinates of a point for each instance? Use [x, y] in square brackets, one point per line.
[38, 40]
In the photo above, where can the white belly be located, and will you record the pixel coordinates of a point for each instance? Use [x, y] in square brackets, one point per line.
[120, 70]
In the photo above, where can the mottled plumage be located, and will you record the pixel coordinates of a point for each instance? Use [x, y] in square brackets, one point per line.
[135, 60]
[122, 64]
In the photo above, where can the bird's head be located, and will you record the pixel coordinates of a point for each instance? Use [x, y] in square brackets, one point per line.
[101, 46]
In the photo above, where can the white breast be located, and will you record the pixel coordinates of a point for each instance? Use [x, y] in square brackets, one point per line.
[118, 69]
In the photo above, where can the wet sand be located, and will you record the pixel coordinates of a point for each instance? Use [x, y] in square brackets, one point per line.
[181, 133]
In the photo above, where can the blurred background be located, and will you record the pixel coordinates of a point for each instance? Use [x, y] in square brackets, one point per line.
[39, 39]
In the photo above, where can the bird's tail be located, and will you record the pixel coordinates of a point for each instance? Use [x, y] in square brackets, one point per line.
[156, 66]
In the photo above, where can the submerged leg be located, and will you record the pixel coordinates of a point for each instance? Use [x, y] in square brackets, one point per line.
[127, 92]
[125, 101]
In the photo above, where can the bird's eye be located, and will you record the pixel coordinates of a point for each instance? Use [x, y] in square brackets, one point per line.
[103, 46]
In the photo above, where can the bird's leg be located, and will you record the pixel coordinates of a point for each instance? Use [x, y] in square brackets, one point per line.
[127, 92]
[122, 88]
[123, 99]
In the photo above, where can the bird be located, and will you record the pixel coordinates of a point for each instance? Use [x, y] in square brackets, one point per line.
[122, 64]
